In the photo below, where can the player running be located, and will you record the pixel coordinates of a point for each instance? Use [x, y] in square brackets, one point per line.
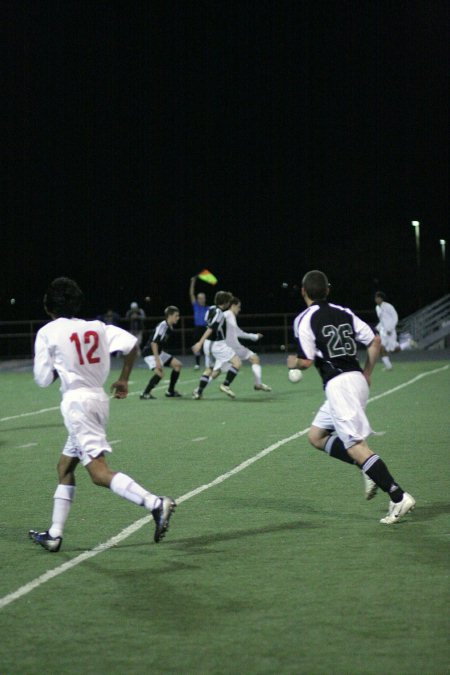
[78, 353]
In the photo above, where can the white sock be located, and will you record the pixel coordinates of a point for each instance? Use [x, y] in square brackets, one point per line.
[257, 372]
[126, 487]
[62, 502]
[387, 362]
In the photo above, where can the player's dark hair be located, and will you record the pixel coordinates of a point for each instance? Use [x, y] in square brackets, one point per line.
[380, 294]
[63, 297]
[316, 285]
[171, 309]
[235, 301]
[222, 297]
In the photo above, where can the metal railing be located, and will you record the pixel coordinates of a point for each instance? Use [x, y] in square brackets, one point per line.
[429, 325]
[17, 337]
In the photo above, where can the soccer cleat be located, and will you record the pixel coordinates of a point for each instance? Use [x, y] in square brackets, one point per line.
[161, 516]
[173, 394]
[52, 544]
[262, 387]
[146, 397]
[370, 487]
[197, 394]
[226, 390]
[196, 367]
[398, 510]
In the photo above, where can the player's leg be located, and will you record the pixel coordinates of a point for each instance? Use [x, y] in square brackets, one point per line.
[126, 487]
[257, 373]
[233, 370]
[328, 441]
[372, 465]
[347, 396]
[384, 353]
[62, 500]
[154, 380]
[176, 366]
[198, 332]
[203, 383]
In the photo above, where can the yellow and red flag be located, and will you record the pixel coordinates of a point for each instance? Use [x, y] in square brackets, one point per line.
[206, 275]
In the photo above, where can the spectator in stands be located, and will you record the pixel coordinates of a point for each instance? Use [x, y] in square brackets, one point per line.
[136, 317]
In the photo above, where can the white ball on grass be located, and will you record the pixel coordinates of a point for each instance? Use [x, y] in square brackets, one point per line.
[295, 374]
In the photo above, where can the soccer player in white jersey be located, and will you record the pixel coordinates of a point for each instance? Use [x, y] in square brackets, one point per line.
[219, 353]
[327, 336]
[234, 333]
[387, 327]
[78, 353]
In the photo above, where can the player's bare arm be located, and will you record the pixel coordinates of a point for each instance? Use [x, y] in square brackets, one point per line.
[198, 345]
[294, 361]
[373, 351]
[120, 387]
[192, 289]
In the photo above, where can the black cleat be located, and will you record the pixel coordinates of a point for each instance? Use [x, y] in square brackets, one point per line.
[52, 544]
[173, 394]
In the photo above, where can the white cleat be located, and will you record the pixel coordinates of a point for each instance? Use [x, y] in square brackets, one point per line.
[262, 387]
[370, 487]
[397, 511]
[226, 390]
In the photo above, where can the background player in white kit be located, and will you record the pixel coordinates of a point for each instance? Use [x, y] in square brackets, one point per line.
[234, 332]
[327, 336]
[387, 327]
[78, 352]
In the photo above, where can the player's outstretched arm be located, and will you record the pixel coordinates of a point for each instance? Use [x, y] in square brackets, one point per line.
[120, 386]
[192, 289]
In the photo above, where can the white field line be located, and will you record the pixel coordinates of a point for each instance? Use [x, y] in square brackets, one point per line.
[45, 410]
[134, 527]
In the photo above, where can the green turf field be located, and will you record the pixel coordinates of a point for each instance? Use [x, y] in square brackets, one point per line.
[280, 566]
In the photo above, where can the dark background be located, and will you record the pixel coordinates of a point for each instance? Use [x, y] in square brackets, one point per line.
[146, 140]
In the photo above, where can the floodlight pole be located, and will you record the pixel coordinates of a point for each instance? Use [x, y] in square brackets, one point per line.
[416, 226]
[444, 262]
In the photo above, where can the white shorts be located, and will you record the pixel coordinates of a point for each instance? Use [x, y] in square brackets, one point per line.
[344, 409]
[243, 352]
[219, 353]
[85, 413]
[389, 342]
[150, 360]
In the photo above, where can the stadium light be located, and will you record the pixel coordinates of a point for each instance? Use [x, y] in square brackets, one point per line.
[416, 226]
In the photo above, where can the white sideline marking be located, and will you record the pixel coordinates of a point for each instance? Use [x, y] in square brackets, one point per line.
[44, 410]
[200, 438]
[134, 527]
[29, 414]
[27, 445]
[51, 574]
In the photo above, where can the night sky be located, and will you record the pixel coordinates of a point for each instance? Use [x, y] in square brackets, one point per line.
[147, 140]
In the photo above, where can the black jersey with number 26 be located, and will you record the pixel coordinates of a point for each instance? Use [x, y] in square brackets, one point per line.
[328, 335]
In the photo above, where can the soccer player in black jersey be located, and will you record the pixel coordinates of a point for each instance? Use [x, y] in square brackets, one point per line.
[327, 336]
[156, 358]
[217, 352]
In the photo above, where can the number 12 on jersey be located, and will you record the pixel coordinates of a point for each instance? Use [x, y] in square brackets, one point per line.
[90, 337]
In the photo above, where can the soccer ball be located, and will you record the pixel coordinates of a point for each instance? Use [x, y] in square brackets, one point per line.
[295, 375]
